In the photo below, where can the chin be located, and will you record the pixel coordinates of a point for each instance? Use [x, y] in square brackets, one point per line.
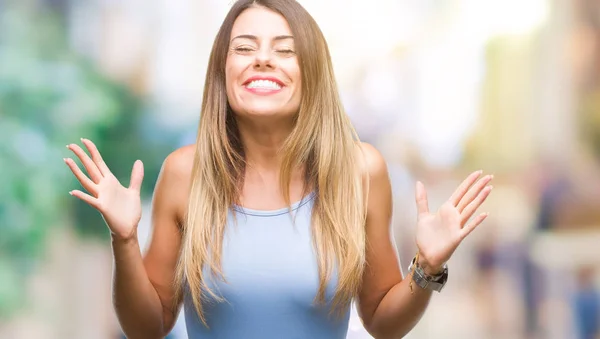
[266, 111]
[266, 114]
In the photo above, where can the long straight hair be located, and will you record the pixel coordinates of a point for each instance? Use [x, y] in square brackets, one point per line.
[323, 142]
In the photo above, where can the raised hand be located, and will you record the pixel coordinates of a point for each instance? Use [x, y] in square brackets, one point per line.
[120, 206]
[439, 234]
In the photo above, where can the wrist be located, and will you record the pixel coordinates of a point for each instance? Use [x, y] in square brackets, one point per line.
[124, 241]
[428, 268]
[427, 275]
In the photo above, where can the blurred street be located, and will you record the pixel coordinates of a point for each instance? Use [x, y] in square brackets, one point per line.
[441, 88]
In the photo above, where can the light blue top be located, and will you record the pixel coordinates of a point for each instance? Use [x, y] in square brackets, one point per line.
[272, 280]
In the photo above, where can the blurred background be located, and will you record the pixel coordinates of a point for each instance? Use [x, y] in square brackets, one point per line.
[441, 87]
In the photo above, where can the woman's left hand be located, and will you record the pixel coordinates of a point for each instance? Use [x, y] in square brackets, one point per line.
[439, 234]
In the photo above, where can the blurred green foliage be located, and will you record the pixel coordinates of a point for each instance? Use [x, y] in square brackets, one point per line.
[50, 97]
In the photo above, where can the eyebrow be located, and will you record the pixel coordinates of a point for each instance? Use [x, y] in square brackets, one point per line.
[255, 38]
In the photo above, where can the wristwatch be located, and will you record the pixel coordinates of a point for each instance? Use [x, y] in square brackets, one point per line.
[425, 281]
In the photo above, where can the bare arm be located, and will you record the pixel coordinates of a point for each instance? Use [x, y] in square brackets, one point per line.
[385, 303]
[143, 287]
[136, 301]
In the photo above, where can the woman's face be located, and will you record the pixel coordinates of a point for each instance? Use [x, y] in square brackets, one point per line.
[261, 71]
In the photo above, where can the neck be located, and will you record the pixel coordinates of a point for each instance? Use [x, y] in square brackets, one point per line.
[262, 142]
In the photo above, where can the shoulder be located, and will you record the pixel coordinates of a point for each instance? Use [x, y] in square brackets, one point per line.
[372, 161]
[178, 164]
[377, 182]
[175, 177]
[172, 186]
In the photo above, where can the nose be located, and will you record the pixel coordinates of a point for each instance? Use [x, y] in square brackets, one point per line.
[264, 59]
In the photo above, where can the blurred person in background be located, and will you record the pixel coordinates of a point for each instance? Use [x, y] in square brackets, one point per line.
[586, 303]
[277, 217]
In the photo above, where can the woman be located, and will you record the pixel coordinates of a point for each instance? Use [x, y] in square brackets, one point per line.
[277, 217]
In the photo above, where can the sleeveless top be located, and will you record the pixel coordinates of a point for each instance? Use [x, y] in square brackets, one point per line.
[272, 279]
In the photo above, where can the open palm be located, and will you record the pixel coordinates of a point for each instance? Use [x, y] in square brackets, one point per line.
[439, 234]
[120, 206]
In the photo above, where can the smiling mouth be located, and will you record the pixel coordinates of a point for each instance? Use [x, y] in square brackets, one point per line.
[263, 85]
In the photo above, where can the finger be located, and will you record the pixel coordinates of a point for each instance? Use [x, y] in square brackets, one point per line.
[89, 165]
[474, 192]
[96, 157]
[421, 199]
[473, 224]
[85, 197]
[86, 182]
[463, 188]
[137, 175]
[474, 205]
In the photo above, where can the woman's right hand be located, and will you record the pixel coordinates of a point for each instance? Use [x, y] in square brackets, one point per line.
[120, 206]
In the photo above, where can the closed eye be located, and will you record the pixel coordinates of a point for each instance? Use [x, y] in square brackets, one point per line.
[243, 49]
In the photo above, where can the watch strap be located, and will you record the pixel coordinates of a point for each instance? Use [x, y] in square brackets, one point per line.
[425, 281]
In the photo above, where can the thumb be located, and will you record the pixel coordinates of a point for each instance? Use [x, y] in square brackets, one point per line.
[421, 198]
[137, 176]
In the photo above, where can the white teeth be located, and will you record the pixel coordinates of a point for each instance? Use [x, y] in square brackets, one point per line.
[263, 84]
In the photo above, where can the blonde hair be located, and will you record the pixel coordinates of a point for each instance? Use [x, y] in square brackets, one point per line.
[323, 142]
